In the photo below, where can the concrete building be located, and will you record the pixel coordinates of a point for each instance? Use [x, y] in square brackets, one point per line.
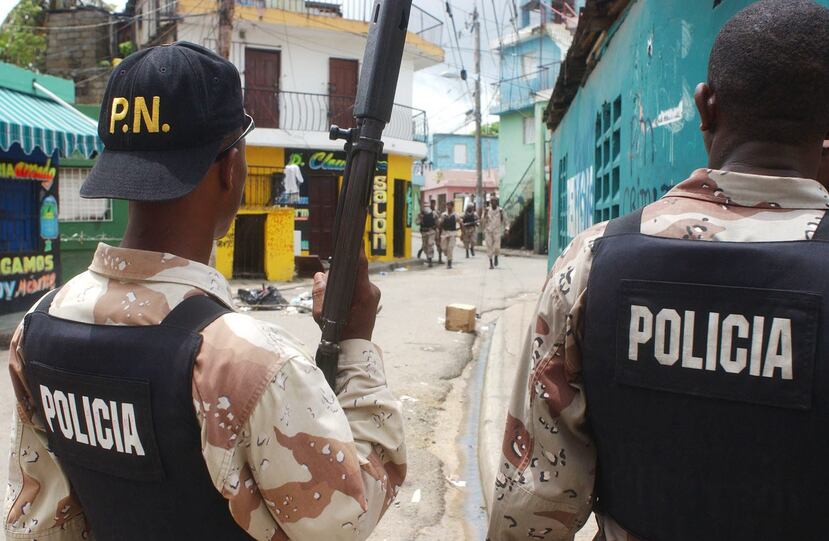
[299, 62]
[81, 42]
[449, 171]
[530, 58]
[624, 125]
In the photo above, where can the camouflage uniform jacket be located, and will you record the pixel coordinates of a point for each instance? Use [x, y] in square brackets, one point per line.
[544, 488]
[293, 460]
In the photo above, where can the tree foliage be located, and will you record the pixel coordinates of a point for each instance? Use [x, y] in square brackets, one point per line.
[22, 38]
[490, 129]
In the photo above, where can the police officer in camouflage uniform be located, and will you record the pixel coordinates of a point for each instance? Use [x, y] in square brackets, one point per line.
[676, 378]
[428, 222]
[147, 408]
[449, 225]
[470, 227]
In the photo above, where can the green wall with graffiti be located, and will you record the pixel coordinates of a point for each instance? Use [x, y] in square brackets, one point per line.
[632, 130]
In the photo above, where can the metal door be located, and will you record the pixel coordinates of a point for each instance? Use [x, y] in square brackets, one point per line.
[342, 91]
[249, 246]
[262, 70]
[322, 206]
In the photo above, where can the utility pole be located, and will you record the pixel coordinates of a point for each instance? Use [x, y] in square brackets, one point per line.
[225, 27]
[479, 184]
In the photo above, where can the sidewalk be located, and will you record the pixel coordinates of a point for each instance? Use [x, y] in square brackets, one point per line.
[499, 379]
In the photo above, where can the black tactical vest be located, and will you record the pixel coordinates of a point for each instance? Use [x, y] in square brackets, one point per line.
[450, 223]
[428, 220]
[707, 384]
[470, 218]
[117, 402]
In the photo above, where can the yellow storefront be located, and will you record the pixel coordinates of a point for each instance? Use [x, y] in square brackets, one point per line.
[271, 229]
[260, 242]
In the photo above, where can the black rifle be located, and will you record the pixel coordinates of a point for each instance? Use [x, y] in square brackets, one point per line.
[372, 109]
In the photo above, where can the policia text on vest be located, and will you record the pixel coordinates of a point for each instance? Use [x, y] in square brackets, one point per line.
[736, 343]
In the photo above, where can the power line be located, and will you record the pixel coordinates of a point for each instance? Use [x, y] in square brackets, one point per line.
[457, 43]
[117, 21]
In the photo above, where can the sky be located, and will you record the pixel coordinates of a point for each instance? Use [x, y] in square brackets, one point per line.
[438, 90]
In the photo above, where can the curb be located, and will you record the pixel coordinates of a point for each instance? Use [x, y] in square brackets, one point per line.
[499, 378]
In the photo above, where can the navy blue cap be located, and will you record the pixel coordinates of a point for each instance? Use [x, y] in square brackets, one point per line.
[165, 114]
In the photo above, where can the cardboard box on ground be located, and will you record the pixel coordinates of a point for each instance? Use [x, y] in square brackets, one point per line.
[460, 317]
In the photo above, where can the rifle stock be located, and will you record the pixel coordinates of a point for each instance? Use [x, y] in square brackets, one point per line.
[372, 109]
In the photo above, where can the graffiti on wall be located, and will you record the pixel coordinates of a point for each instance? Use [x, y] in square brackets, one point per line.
[25, 275]
[379, 222]
[29, 266]
[579, 202]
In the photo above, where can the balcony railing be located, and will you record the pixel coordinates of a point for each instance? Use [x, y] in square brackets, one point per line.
[304, 111]
[522, 91]
[421, 23]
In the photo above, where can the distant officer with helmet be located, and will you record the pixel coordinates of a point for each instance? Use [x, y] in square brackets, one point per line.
[147, 409]
[675, 378]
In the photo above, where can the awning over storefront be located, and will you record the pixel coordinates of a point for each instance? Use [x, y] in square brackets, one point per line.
[46, 124]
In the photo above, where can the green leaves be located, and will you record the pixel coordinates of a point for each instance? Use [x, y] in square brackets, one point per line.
[22, 37]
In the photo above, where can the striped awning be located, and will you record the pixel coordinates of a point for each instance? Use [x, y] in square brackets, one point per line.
[43, 123]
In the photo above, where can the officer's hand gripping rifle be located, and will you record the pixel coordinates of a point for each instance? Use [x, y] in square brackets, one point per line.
[372, 109]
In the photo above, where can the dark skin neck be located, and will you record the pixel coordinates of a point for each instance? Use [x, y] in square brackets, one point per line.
[158, 227]
[768, 159]
[186, 227]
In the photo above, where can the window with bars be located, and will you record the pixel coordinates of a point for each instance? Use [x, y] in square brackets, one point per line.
[72, 207]
[563, 237]
[606, 186]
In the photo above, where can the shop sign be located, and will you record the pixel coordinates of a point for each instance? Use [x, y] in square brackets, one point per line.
[379, 223]
[26, 275]
[325, 161]
[23, 170]
[24, 278]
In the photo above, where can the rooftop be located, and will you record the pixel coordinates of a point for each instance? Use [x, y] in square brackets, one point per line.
[595, 23]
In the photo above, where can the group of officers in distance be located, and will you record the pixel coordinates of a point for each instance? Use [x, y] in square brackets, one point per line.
[674, 380]
[440, 230]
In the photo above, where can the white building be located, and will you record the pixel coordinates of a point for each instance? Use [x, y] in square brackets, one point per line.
[299, 62]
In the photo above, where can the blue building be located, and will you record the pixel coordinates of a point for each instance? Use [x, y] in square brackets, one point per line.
[449, 170]
[530, 61]
[624, 125]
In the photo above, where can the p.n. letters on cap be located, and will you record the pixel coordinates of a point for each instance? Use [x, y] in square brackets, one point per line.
[121, 107]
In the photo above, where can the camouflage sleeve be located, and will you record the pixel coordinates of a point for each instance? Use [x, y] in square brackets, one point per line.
[544, 487]
[294, 459]
[39, 501]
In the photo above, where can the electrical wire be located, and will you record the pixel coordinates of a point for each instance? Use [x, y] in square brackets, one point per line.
[117, 21]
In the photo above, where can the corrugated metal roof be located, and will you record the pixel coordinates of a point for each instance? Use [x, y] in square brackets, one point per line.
[595, 20]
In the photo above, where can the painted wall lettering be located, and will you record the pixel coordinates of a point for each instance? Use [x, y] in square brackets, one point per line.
[580, 202]
[379, 223]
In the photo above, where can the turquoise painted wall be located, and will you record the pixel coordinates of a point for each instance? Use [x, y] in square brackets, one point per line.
[632, 131]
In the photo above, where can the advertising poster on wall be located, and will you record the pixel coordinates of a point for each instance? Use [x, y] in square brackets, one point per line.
[321, 165]
[29, 246]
